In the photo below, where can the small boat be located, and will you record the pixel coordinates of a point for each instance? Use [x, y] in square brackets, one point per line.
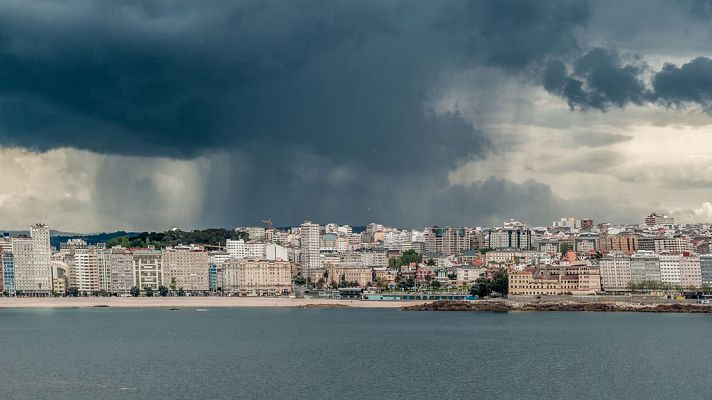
[173, 309]
[201, 309]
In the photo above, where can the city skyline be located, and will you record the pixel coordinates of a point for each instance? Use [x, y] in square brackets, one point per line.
[571, 256]
[336, 198]
[150, 115]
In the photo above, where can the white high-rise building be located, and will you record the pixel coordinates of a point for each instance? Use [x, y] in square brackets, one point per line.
[104, 269]
[240, 250]
[84, 271]
[670, 268]
[309, 240]
[615, 272]
[255, 250]
[33, 261]
[276, 252]
[394, 239]
[236, 249]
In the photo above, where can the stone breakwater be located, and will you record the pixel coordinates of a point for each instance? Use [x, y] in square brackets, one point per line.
[504, 306]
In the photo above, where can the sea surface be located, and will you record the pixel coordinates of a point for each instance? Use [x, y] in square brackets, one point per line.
[284, 353]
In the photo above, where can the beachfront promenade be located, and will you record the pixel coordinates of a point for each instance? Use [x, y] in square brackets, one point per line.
[193, 302]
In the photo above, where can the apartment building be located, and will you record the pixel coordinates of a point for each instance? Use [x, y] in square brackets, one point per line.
[187, 269]
[626, 243]
[518, 237]
[122, 275]
[309, 241]
[148, 268]
[670, 268]
[351, 273]
[615, 272]
[706, 269]
[8, 272]
[690, 272]
[32, 262]
[644, 267]
[447, 240]
[257, 277]
[84, 271]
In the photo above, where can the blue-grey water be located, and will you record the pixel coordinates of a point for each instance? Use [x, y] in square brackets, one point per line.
[351, 353]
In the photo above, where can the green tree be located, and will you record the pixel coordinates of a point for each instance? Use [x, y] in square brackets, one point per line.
[565, 247]
[162, 291]
[481, 288]
[500, 282]
[148, 291]
[410, 256]
[429, 280]
[181, 292]
[405, 284]
[436, 284]
[300, 280]
[73, 292]
[135, 291]
[212, 237]
[173, 284]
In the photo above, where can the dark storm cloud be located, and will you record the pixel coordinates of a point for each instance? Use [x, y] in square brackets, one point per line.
[698, 9]
[599, 80]
[514, 34]
[319, 105]
[408, 201]
[690, 83]
[178, 79]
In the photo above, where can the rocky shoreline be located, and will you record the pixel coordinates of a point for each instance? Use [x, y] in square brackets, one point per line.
[504, 306]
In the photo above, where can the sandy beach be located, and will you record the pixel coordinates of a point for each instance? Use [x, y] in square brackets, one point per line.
[194, 302]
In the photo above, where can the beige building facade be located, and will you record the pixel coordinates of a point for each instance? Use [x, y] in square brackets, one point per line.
[187, 269]
[575, 279]
[257, 277]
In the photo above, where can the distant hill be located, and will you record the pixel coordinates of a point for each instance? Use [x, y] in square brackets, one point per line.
[92, 238]
[205, 236]
[213, 237]
[57, 237]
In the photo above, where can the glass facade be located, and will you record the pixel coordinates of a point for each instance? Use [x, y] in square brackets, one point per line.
[8, 272]
[213, 277]
[706, 269]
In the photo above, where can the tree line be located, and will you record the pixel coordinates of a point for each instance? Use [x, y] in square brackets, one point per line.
[212, 236]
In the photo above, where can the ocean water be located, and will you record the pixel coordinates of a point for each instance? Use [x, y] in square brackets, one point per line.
[244, 353]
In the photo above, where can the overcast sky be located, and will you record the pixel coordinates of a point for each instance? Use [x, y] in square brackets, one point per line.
[146, 115]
